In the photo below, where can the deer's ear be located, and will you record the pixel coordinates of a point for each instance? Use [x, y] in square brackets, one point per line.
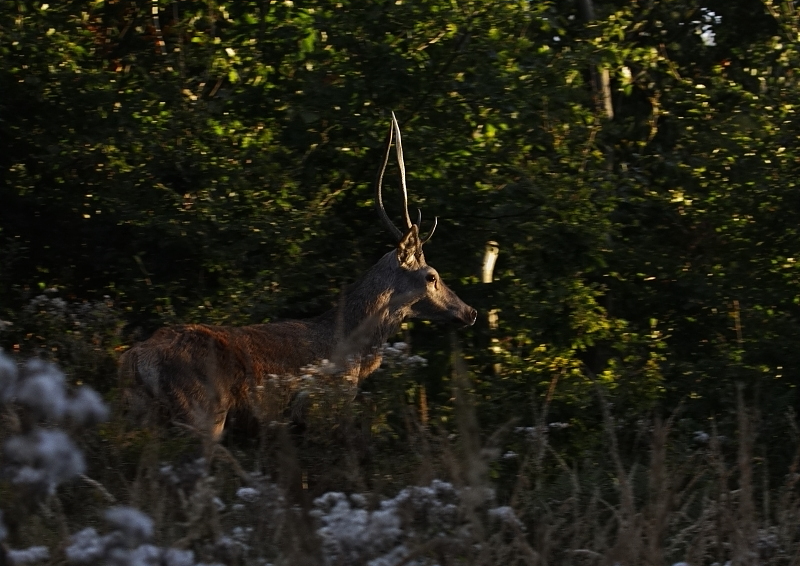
[409, 250]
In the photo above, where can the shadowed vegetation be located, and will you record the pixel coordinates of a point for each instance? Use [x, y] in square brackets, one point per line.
[635, 163]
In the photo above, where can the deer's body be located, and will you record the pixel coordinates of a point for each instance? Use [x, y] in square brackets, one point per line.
[202, 372]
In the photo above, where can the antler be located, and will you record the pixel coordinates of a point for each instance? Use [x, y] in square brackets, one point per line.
[394, 132]
[398, 144]
[435, 223]
[379, 186]
[419, 223]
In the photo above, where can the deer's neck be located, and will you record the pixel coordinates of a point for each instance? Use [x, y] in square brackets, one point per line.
[368, 313]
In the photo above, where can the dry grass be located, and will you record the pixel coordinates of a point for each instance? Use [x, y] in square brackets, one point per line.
[341, 492]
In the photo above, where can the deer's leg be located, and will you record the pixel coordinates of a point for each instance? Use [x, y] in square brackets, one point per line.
[218, 425]
[298, 409]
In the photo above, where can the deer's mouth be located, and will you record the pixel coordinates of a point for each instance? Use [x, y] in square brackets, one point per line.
[467, 317]
[473, 316]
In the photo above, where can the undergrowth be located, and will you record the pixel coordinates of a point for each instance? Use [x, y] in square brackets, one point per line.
[81, 486]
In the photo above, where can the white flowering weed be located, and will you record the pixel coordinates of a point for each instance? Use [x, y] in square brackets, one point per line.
[352, 534]
[248, 494]
[29, 555]
[43, 390]
[125, 545]
[43, 457]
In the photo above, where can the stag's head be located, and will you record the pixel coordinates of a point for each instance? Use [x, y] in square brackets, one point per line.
[430, 299]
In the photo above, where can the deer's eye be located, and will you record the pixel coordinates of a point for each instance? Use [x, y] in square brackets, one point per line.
[430, 278]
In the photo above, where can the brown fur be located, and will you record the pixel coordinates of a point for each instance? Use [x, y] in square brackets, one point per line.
[201, 372]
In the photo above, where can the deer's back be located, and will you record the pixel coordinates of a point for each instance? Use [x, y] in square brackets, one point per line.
[197, 363]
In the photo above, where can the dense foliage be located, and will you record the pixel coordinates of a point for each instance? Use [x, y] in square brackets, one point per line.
[214, 164]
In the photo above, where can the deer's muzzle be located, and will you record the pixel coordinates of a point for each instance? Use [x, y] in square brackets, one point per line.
[468, 316]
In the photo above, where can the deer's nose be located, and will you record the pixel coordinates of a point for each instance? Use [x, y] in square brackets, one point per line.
[472, 316]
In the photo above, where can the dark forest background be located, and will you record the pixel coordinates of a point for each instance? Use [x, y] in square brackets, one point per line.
[635, 162]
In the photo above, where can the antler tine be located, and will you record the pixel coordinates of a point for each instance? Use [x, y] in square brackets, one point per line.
[395, 231]
[435, 223]
[419, 224]
[398, 144]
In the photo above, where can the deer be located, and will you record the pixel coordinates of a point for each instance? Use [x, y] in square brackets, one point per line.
[202, 372]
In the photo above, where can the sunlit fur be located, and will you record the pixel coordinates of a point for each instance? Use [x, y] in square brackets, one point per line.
[202, 372]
